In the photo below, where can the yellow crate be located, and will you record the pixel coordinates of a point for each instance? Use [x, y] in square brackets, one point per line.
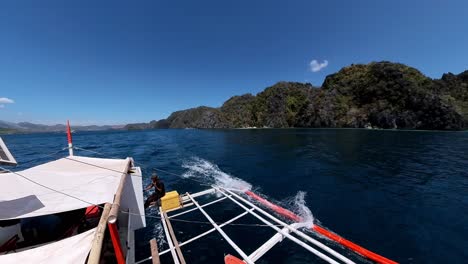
[170, 201]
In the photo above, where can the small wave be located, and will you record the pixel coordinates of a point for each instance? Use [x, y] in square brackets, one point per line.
[297, 205]
[212, 174]
[300, 207]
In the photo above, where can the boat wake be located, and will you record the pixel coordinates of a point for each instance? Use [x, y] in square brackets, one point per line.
[293, 208]
[297, 204]
[210, 173]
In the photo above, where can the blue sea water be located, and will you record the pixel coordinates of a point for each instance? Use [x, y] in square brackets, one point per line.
[402, 194]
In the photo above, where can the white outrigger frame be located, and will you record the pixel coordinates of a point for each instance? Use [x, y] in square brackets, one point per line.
[283, 230]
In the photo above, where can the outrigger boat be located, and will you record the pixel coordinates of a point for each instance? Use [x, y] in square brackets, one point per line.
[101, 203]
[71, 210]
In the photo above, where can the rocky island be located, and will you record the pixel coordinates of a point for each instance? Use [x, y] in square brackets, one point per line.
[376, 95]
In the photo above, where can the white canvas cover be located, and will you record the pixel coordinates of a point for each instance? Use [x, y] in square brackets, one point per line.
[93, 180]
[74, 249]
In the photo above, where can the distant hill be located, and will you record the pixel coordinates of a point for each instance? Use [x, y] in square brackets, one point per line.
[26, 127]
[375, 95]
[7, 131]
[8, 125]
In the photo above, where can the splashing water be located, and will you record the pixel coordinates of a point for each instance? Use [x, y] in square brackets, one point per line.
[302, 208]
[298, 206]
[211, 174]
[158, 233]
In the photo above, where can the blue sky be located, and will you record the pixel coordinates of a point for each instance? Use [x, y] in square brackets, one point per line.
[110, 62]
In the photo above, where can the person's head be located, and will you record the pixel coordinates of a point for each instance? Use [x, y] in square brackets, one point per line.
[154, 177]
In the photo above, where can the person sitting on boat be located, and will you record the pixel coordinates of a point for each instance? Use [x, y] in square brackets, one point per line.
[159, 191]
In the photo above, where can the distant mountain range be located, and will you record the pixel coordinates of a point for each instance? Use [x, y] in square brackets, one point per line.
[382, 95]
[26, 127]
[376, 95]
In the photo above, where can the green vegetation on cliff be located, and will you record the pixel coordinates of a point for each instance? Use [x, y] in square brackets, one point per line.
[379, 95]
[238, 111]
[390, 95]
[7, 131]
[200, 117]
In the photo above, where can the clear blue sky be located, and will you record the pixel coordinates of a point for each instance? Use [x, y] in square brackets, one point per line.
[108, 62]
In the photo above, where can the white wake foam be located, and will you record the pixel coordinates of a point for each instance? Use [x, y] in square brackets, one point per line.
[297, 205]
[158, 233]
[211, 174]
[302, 209]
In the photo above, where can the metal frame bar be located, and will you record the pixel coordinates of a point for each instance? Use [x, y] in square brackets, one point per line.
[168, 237]
[297, 241]
[285, 232]
[228, 239]
[295, 231]
[195, 195]
[263, 249]
[174, 239]
[195, 208]
[208, 232]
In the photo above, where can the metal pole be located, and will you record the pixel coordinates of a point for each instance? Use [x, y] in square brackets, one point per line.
[207, 232]
[228, 239]
[168, 237]
[278, 237]
[299, 233]
[193, 209]
[297, 241]
[174, 239]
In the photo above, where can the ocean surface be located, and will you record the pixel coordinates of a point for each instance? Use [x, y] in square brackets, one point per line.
[401, 194]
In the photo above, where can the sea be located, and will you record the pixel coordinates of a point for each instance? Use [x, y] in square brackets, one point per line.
[401, 194]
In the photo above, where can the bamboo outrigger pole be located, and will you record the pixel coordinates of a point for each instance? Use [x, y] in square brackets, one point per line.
[114, 213]
[96, 248]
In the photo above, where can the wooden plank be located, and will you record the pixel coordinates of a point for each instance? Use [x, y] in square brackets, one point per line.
[95, 254]
[154, 251]
[174, 239]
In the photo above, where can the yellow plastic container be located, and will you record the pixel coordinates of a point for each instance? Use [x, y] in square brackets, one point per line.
[170, 201]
